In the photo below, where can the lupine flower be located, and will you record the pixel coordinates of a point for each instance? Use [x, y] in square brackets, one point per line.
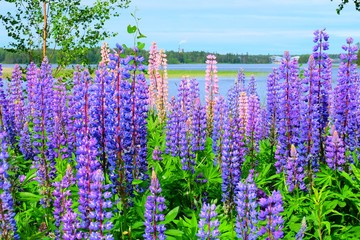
[87, 165]
[71, 127]
[198, 127]
[175, 119]
[134, 97]
[300, 234]
[233, 155]
[253, 127]
[43, 132]
[186, 154]
[272, 99]
[63, 214]
[155, 205]
[233, 96]
[324, 66]
[271, 208]
[113, 122]
[208, 223]
[31, 79]
[7, 119]
[309, 144]
[346, 102]
[105, 54]
[98, 111]
[220, 114]
[156, 156]
[288, 115]
[162, 87]
[61, 121]
[153, 67]
[8, 228]
[16, 99]
[246, 205]
[335, 151]
[295, 171]
[99, 203]
[211, 89]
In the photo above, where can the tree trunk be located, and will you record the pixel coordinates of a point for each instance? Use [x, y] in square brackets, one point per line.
[44, 31]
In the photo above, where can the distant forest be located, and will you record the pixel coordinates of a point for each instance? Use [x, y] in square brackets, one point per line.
[174, 57]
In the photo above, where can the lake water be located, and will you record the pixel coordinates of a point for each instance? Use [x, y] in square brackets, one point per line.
[225, 83]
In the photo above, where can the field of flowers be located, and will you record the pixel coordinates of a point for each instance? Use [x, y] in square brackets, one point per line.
[114, 157]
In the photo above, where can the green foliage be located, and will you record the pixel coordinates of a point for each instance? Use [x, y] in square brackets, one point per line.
[71, 26]
[344, 2]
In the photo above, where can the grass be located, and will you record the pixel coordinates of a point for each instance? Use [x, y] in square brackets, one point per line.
[171, 73]
[201, 73]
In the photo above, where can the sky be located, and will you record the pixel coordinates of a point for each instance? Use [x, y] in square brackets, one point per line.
[234, 26]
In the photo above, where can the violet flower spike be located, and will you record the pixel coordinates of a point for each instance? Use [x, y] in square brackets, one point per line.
[155, 205]
[8, 228]
[208, 223]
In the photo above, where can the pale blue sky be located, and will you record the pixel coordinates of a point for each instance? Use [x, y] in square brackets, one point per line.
[237, 26]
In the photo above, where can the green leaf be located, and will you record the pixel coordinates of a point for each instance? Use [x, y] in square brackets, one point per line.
[171, 216]
[137, 181]
[28, 196]
[174, 232]
[131, 29]
[140, 45]
[137, 225]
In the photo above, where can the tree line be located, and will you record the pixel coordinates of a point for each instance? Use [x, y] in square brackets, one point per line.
[174, 57]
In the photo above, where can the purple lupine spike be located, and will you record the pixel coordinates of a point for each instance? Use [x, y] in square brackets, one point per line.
[208, 223]
[263, 123]
[220, 114]
[233, 96]
[25, 144]
[126, 121]
[81, 107]
[87, 165]
[141, 98]
[16, 99]
[31, 79]
[99, 203]
[198, 127]
[324, 66]
[133, 120]
[288, 115]
[295, 171]
[335, 151]
[233, 154]
[43, 132]
[155, 205]
[71, 127]
[185, 95]
[98, 111]
[6, 118]
[300, 234]
[156, 156]
[61, 121]
[113, 121]
[65, 218]
[346, 101]
[272, 99]
[173, 128]
[251, 90]
[309, 144]
[271, 209]
[246, 205]
[8, 228]
[187, 156]
[253, 127]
